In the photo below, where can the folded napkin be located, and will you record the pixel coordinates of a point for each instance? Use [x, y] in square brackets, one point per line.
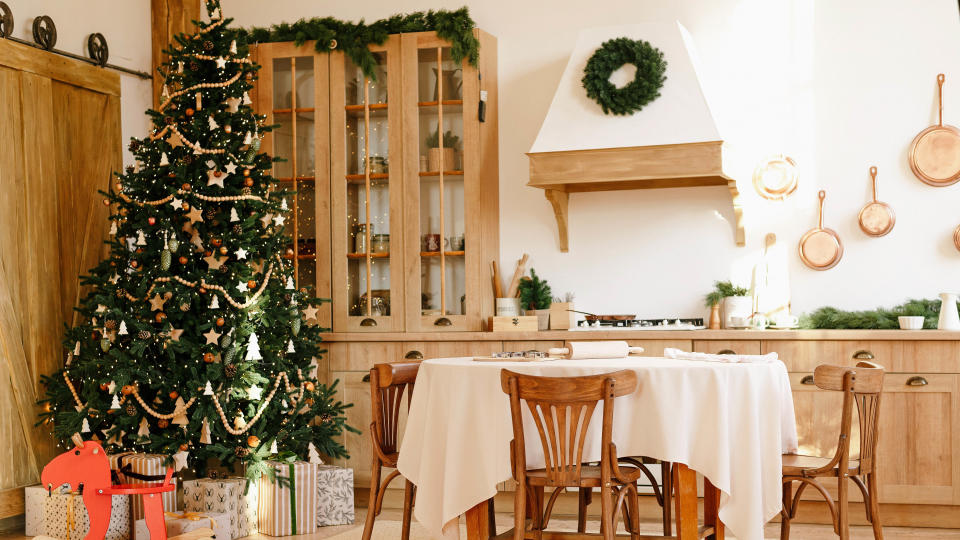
[677, 354]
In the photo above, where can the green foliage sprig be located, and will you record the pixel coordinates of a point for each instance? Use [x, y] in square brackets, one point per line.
[721, 290]
[354, 39]
[535, 293]
[646, 83]
[876, 319]
[449, 139]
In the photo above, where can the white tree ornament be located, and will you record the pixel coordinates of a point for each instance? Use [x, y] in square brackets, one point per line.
[205, 432]
[314, 456]
[253, 348]
[115, 404]
[144, 430]
[85, 427]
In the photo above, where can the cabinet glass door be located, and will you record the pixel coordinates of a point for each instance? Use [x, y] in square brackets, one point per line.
[441, 188]
[366, 196]
[292, 94]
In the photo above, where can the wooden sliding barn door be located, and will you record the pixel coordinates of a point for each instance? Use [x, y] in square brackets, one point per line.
[60, 142]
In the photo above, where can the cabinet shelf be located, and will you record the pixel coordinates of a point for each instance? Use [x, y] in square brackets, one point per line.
[298, 179]
[360, 178]
[378, 255]
[437, 173]
[289, 110]
[376, 110]
[446, 253]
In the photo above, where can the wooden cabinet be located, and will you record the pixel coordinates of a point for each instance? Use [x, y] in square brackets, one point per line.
[396, 179]
[727, 346]
[894, 356]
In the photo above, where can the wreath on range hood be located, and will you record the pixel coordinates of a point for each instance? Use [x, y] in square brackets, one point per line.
[646, 83]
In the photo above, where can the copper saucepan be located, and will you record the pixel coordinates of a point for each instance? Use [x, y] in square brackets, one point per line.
[935, 151]
[590, 317]
[876, 218]
[820, 248]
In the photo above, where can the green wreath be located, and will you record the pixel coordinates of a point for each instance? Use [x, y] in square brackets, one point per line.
[645, 86]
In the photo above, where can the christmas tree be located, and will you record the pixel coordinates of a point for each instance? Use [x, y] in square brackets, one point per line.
[193, 340]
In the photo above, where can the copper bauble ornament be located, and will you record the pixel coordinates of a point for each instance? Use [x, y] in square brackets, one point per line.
[251, 284]
[183, 447]
[182, 260]
[253, 441]
[174, 394]
[246, 172]
[162, 423]
[220, 321]
[160, 316]
[185, 187]
[126, 390]
[248, 182]
[208, 357]
[189, 112]
[104, 386]
[216, 242]
[309, 386]
[152, 220]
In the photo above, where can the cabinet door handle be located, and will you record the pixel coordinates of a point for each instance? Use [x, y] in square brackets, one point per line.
[863, 355]
[727, 351]
[368, 322]
[917, 381]
[807, 380]
[443, 321]
[414, 355]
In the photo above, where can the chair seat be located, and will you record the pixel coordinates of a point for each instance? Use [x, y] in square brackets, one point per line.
[795, 464]
[589, 476]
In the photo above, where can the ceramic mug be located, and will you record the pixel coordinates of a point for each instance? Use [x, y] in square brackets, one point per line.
[786, 321]
[456, 243]
[759, 322]
[431, 242]
[737, 321]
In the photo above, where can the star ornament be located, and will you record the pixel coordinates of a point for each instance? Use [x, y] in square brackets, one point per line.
[233, 104]
[194, 215]
[180, 459]
[174, 140]
[242, 286]
[214, 263]
[278, 221]
[215, 178]
[176, 203]
[213, 338]
[241, 253]
[175, 333]
[156, 303]
[310, 313]
[231, 168]
[255, 393]
[266, 219]
[221, 62]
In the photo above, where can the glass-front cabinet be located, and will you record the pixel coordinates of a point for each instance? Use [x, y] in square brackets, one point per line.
[401, 179]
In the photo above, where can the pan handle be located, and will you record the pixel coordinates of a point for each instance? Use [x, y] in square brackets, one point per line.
[873, 175]
[940, 79]
[822, 195]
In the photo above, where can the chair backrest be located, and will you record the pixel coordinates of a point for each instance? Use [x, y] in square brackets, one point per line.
[562, 408]
[387, 385]
[863, 385]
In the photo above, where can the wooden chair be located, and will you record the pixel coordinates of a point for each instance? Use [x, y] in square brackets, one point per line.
[388, 382]
[663, 492]
[562, 408]
[862, 384]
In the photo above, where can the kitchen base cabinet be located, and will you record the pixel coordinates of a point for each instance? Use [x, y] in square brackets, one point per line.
[727, 346]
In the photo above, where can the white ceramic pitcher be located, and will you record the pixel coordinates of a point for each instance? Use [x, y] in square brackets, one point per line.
[949, 318]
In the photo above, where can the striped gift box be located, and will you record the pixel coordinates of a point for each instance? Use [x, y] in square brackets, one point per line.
[290, 508]
[138, 469]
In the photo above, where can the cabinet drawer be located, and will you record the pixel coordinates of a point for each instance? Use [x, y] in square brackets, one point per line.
[738, 346]
[450, 349]
[894, 356]
[362, 355]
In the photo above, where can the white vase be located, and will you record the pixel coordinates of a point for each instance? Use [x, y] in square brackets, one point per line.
[739, 307]
[949, 318]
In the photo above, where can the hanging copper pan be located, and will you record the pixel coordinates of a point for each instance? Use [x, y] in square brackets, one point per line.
[876, 218]
[820, 248]
[935, 151]
[956, 237]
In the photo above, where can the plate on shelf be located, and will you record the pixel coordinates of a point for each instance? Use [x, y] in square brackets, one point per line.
[788, 327]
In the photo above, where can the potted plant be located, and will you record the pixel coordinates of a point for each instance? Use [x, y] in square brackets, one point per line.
[535, 298]
[735, 300]
[436, 158]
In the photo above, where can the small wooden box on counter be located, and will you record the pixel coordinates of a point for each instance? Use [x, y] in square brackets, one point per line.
[521, 323]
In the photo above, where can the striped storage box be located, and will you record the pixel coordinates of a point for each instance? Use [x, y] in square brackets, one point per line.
[137, 469]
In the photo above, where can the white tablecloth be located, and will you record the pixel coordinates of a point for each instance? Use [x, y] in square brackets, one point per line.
[730, 422]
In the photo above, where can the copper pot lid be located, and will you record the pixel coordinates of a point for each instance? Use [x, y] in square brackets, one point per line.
[876, 218]
[935, 152]
[821, 248]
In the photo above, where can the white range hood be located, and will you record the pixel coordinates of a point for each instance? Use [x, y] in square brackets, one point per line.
[673, 141]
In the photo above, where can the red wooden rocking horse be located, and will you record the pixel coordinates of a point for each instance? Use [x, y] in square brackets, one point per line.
[87, 469]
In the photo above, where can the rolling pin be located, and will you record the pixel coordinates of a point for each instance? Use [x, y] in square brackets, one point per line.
[594, 349]
[517, 274]
[497, 283]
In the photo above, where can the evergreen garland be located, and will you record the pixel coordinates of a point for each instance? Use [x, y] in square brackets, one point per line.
[354, 39]
[645, 86]
[877, 319]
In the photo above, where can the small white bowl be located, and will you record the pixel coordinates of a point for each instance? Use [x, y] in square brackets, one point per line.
[911, 323]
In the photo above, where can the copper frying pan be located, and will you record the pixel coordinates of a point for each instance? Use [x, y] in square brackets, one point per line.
[820, 248]
[876, 218]
[935, 151]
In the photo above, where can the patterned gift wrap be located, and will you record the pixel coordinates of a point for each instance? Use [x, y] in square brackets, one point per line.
[65, 517]
[334, 496]
[33, 502]
[137, 469]
[183, 522]
[224, 495]
[291, 508]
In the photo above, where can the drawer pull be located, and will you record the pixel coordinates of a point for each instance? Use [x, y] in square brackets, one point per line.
[807, 380]
[366, 378]
[727, 351]
[443, 321]
[863, 355]
[414, 355]
[917, 381]
[368, 322]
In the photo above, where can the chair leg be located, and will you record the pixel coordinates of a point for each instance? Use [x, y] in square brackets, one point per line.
[491, 518]
[584, 496]
[538, 523]
[874, 506]
[519, 510]
[635, 514]
[408, 494]
[607, 528]
[666, 486]
[843, 514]
[785, 513]
[372, 504]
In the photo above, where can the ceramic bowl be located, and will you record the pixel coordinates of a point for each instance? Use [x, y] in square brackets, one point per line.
[911, 323]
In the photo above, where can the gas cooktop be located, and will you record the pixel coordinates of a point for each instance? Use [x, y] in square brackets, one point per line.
[643, 324]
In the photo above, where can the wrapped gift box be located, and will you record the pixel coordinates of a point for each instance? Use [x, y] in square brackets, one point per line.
[138, 469]
[184, 522]
[65, 517]
[334, 496]
[290, 508]
[33, 502]
[224, 495]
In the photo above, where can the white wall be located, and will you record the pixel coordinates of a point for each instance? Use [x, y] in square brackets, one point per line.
[839, 86]
[125, 25]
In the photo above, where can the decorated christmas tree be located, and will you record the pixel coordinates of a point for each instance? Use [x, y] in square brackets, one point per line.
[193, 340]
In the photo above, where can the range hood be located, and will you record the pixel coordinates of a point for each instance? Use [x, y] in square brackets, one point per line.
[673, 141]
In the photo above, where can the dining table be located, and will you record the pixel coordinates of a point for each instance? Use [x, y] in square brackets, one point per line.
[728, 420]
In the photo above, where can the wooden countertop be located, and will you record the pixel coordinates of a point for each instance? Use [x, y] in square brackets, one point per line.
[587, 335]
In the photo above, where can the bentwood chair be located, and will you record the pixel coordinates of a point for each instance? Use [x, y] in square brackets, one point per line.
[662, 492]
[388, 383]
[862, 384]
[562, 408]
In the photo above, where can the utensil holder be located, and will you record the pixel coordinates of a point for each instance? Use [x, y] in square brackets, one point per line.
[508, 307]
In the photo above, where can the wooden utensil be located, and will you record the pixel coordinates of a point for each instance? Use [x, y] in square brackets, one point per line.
[517, 274]
[820, 248]
[935, 151]
[876, 218]
[497, 283]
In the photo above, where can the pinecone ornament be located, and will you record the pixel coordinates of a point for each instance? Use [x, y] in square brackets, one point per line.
[241, 451]
[121, 292]
[131, 409]
[208, 45]
[210, 213]
[185, 306]
[110, 324]
[230, 370]
[237, 229]
[144, 334]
